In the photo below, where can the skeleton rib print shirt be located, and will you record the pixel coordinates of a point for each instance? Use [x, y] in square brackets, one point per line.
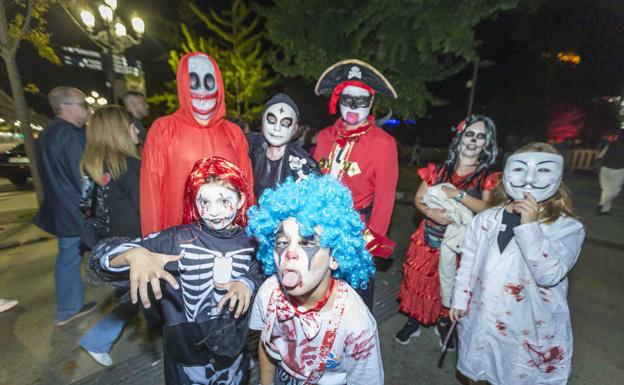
[201, 346]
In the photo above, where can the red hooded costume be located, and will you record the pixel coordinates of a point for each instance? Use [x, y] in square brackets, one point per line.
[175, 142]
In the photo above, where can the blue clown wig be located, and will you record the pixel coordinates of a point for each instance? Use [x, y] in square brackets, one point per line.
[315, 201]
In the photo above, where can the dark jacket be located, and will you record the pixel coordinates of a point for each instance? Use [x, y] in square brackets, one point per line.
[59, 150]
[114, 203]
[295, 163]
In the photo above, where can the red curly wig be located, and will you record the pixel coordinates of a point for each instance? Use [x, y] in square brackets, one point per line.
[215, 169]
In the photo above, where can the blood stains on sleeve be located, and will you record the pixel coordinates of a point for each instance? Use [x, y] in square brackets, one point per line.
[515, 290]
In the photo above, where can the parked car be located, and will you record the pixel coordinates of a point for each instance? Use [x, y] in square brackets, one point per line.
[15, 165]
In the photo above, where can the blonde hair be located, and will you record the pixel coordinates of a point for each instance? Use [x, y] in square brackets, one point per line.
[558, 204]
[108, 143]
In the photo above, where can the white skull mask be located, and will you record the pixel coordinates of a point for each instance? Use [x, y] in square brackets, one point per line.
[473, 140]
[204, 88]
[537, 173]
[279, 123]
[355, 105]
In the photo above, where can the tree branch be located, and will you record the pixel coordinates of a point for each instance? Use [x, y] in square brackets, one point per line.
[5, 40]
[25, 27]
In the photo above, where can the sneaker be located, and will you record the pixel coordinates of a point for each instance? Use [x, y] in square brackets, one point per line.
[85, 309]
[6, 304]
[103, 359]
[410, 329]
[442, 329]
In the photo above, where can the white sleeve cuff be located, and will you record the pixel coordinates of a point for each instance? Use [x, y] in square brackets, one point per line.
[105, 259]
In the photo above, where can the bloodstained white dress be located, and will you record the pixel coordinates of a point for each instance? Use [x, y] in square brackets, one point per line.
[517, 328]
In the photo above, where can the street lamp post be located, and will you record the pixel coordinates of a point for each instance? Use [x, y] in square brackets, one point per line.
[111, 37]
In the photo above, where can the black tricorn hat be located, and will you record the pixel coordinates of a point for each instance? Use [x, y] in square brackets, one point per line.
[353, 70]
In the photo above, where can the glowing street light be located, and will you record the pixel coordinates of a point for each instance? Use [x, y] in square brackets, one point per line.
[88, 19]
[138, 25]
[102, 101]
[111, 3]
[120, 30]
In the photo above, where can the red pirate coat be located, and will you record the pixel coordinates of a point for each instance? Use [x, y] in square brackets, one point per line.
[366, 161]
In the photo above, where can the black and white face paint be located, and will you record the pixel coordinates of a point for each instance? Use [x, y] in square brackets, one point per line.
[473, 140]
[279, 123]
[355, 105]
[300, 260]
[217, 205]
[537, 173]
[203, 82]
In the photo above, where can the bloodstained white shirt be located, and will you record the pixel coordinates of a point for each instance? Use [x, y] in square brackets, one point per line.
[355, 357]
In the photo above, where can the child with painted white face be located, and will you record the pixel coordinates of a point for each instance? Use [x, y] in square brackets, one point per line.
[315, 327]
[211, 273]
[274, 157]
[511, 287]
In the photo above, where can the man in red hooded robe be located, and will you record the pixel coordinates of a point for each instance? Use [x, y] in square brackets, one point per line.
[198, 129]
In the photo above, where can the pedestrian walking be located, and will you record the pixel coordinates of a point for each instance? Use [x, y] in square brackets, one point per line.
[110, 194]
[59, 150]
[611, 174]
[137, 106]
[472, 152]
[510, 295]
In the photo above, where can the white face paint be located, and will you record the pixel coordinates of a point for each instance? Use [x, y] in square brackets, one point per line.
[537, 173]
[473, 140]
[355, 105]
[217, 205]
[203, 82]
[278, 124]
[301, 262]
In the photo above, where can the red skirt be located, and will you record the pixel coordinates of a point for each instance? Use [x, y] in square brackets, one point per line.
[420, 288]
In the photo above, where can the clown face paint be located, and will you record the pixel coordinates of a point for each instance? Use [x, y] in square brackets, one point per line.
[279, 122]
[302, 264]
[355, 105]
[473, 140]
[537, 173]
[217, 205]
[203, 86]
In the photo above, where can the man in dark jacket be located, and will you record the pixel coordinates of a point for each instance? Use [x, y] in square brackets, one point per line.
[59, 151]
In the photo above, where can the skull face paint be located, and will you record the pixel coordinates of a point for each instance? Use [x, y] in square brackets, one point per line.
[473, 140]
[301, 262]
[217, 205]
[279, 122]
[537, 173]
[204, 87]
[355, 105]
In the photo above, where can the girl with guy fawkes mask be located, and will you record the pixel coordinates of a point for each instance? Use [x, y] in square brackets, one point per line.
[510, 295]
[273, 156]
[472, 152]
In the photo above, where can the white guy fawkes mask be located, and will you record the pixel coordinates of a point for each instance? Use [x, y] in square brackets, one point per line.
[538, 173]
[204, 87]
[301, 262]
[279, 122]
[473, 140]
[217, 205]
[355, 105]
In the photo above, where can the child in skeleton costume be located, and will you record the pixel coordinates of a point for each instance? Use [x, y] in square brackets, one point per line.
[358, 153]
[273, 156]
[198, 129]
[472, 152]
[315, 328]
[208, 261]
[511, 287]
